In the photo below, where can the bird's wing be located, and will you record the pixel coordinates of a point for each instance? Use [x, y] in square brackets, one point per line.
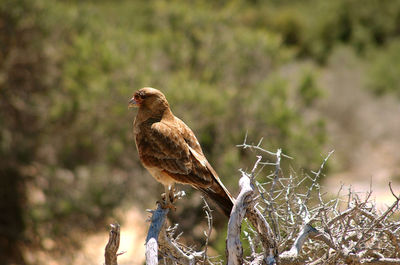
[189, 136]
[196, 151]
[173, 148]
[194, 146]
[213, 188]
[161, 146]
[167, 145]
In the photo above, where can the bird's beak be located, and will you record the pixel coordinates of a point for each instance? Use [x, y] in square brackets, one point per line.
[132, 103]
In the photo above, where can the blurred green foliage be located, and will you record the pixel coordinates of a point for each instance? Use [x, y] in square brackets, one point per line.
[68, 68]
[384, 70]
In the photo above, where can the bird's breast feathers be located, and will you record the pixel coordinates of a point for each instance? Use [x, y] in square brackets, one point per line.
[161, 176]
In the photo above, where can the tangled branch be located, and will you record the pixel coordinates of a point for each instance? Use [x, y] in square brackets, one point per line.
[291, 221]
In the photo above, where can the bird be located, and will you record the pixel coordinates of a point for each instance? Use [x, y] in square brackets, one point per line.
[170, 151]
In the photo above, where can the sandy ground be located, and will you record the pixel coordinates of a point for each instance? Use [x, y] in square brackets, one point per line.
[375, 175]
[133, 234]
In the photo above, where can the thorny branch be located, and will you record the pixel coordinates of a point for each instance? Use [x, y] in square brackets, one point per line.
[208, 211]
[293, 222]
[162, 242]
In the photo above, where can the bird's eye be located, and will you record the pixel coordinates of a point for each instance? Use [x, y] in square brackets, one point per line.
[136, 97]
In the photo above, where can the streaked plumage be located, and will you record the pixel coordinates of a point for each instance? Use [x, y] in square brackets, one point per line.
[169, 150]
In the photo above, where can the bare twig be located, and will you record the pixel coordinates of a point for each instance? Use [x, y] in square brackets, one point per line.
[258, 147]
[391, 190]
[170, 247]
[270, 205]
[110, 253]
[208, 211]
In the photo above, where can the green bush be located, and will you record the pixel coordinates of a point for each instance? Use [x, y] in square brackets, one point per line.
[313, 28]
[384, 69]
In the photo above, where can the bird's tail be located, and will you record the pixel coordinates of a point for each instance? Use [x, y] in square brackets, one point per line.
[220, 195]
[216, 191]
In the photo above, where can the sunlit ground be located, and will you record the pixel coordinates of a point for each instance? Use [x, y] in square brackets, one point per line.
[364, 130]
[133, 233]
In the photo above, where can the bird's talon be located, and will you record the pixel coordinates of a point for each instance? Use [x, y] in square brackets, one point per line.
[171, 206]
[167, 205]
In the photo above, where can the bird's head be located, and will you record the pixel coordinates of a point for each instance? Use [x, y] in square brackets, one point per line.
[150, 99]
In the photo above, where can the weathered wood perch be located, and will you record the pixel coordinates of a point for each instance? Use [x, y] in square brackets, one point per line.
[234, 248]
[244, 206]
[159, 242]
[157, 222]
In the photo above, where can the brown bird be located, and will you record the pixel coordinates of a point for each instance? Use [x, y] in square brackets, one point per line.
[169, 150]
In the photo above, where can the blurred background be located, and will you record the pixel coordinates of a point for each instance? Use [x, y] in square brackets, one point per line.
[308, 76]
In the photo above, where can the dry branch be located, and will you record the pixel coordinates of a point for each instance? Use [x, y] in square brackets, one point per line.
[157, 222]
[298, 244]
[170, 248]
[292, 222]
[110, 252]
[233, 245]
[161, 243]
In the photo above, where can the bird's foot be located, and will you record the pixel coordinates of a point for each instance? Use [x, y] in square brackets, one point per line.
[170, 199]
[179, 195]
[166, 204]
[173, 197]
